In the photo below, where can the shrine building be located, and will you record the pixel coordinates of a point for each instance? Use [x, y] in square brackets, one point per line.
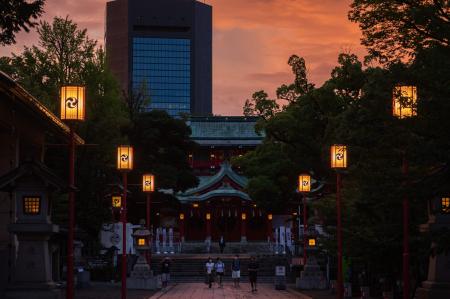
[219, 206]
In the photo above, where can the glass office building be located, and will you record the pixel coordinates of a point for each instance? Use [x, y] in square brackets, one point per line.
[164, 48]
[162, 69]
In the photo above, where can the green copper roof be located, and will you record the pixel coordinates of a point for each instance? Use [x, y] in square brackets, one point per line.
[233, 130]
[206, 182]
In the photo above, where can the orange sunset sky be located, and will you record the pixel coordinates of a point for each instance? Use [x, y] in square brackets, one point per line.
[252, 41]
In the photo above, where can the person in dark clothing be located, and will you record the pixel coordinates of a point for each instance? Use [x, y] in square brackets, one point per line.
[209, 272]
[165, 273]
[253, 267]
[236, 270]
[222, 244]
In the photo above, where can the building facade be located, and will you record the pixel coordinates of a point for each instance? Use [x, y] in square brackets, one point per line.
[219, 205]
[29, 262]
[163, 49]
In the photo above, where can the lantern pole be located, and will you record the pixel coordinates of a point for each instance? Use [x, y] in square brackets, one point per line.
[340, 283]
[70, 262]
[149, 252]
[124, 235]
[305, 227]
[406, 287]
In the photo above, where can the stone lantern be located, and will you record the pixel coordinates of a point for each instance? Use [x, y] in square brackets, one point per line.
[437, 285]
[311, 277]
[142, 276]
[31, 186]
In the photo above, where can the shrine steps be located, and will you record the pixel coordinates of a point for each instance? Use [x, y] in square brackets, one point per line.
[230, 248]
[191, 267]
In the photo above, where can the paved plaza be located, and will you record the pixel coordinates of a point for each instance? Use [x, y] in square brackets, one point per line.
[201, 291]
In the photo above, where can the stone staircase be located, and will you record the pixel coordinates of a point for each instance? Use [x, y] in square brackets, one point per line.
[191, 267]
[230, 248]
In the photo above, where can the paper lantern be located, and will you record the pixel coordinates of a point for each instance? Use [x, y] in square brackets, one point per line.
[404, 101]
[116, 201]
[338, 156]
[208, 216]
[304, 183]
[72, 100]
[269, 217]
[148, 183]
[243, 216]
[445, 205]
[125, 158]
[181, 216]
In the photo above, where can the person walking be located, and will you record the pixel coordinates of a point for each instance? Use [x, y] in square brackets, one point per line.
[222, 244]
[220, 271]
[165, 273]
[209, 271]
[236, 270]
[253, 267]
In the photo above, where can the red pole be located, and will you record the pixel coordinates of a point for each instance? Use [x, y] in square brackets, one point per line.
[70, 279]
[269, 230]
[182, 229]
[124, 237]
[243, 229]
[149, 252]
[405, 232]
[208, 226]
[340, 282]
[305, 227]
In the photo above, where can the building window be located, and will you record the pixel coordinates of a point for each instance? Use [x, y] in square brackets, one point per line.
[162, 66]
[31, 205]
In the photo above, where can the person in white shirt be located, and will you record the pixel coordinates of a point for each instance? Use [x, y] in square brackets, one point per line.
[220, 270]
[209, 271]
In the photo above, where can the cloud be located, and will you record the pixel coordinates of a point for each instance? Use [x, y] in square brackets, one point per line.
[252, 41]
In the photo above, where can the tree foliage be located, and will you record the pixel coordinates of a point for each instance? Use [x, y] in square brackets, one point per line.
[395, 30]
[18, 15]
[354, 108]
[64, 55]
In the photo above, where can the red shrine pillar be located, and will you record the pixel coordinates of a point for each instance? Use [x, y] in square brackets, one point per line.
[181, 225]
[269, 228]
[243, 227]
[208, 225]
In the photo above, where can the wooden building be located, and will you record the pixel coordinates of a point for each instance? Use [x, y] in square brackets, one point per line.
[25, 127]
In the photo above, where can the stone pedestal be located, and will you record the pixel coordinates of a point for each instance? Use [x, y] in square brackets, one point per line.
[142, 277]
[438, 284]
[32, 274]
[311, 277]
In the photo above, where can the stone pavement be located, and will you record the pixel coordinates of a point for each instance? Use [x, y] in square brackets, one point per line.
[201, 291]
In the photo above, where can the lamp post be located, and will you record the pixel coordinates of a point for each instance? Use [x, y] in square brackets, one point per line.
[339, 161]
[72, 99]
[124, 164]
[148, 186]
[404, 101]
[304, 185]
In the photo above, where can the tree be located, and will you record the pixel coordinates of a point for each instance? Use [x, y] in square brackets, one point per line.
[18, 15]
[353, 108]
[261, 105]
[301, 86]
[396, 30]
[65, 54]
[62, 57]
[162, 144]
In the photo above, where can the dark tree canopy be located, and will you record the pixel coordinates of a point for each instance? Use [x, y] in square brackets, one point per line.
[18, 15]
[394, 30]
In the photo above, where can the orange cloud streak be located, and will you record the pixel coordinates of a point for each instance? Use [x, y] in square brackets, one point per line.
[252, 41]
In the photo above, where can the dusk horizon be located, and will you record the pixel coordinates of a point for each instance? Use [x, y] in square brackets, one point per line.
[252, 42]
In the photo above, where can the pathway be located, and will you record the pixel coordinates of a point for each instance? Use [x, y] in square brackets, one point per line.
[201, 291]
